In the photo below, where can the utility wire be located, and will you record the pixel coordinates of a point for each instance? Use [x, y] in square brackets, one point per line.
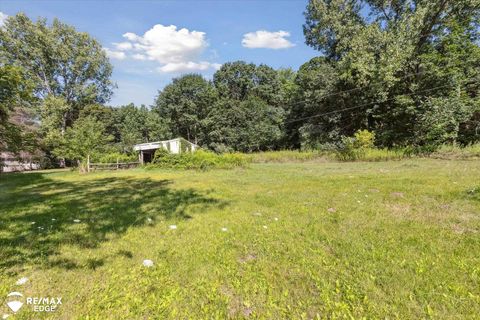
[366, 104]
[358, 88]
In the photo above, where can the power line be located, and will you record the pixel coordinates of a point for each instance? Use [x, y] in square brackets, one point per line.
[358, 88]
[363, 105]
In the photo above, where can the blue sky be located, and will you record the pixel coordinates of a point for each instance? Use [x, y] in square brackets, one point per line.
[150, 42]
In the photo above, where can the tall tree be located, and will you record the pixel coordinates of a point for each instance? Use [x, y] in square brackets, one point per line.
[249, 114]
[185, 103]
[137, 125]
[61, 61]
[15, 93]
[86, 138]
[388, 55]
[249, 125]
[239, 80]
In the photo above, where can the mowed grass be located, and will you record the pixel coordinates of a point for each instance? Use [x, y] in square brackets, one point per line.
[312, 240]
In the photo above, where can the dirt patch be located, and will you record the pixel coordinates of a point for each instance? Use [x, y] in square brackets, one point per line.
[459, 229]
[397, 194]
[399, 210]
[249, 257]
[236, 307]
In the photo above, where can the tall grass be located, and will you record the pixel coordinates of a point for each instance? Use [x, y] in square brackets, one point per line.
[287, 156]
[373, 154]
[452, 151]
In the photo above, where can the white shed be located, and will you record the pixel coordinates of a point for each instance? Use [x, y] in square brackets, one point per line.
[175, 146]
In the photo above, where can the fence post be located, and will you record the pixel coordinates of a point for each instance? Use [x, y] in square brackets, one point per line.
[88, 163]
[117, 163]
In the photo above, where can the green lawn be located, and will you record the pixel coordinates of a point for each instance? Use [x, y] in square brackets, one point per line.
[304, 241]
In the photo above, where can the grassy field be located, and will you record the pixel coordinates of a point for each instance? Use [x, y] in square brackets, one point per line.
[303, 241]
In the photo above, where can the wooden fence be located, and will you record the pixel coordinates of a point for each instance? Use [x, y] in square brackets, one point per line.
[110, 166]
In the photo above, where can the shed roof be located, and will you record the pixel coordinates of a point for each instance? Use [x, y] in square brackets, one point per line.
[156, 144]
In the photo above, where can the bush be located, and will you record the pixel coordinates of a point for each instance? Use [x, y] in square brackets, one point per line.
[364, 139]
[113, 157]
[348, 151]
[200, 159]
[362, 147]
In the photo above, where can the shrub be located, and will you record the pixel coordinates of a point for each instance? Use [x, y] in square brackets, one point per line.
[364, 139]
[113, 157]
[348, 150]
[200, 159]
[361, 147]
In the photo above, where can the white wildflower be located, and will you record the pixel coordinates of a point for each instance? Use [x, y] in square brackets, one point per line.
[21, 281]
[147, 263]
[173, 227]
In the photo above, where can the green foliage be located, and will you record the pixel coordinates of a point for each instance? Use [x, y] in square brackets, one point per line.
[67, 70]
[364, 139]
[441, 121]
[134, 125]
[86, 138]
[409, 73]
[59, 59]
[361, 147]
[113, 157]
[200, 160]
[347, 151]
[454, 151]
[390, 61]
[185, 104]
[249, 125]
[15, 92]
[239, 80]
[354, 148]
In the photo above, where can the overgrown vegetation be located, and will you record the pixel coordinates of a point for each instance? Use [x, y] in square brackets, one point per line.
[406, 72]
[200, 159]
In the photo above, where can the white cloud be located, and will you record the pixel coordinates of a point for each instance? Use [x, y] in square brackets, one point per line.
[176, 50]
[138, 56]
[130, 36]
[123, 45]
[3, 17]
[267, 39]
[188, 66]
[112, 54]
[166, 44]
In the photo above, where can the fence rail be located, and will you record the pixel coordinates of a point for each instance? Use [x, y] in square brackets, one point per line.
[92, 166]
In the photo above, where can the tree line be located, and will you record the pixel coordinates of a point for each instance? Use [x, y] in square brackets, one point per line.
[409, 71]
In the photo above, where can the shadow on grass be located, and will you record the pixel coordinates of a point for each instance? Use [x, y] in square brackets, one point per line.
[39, 214]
